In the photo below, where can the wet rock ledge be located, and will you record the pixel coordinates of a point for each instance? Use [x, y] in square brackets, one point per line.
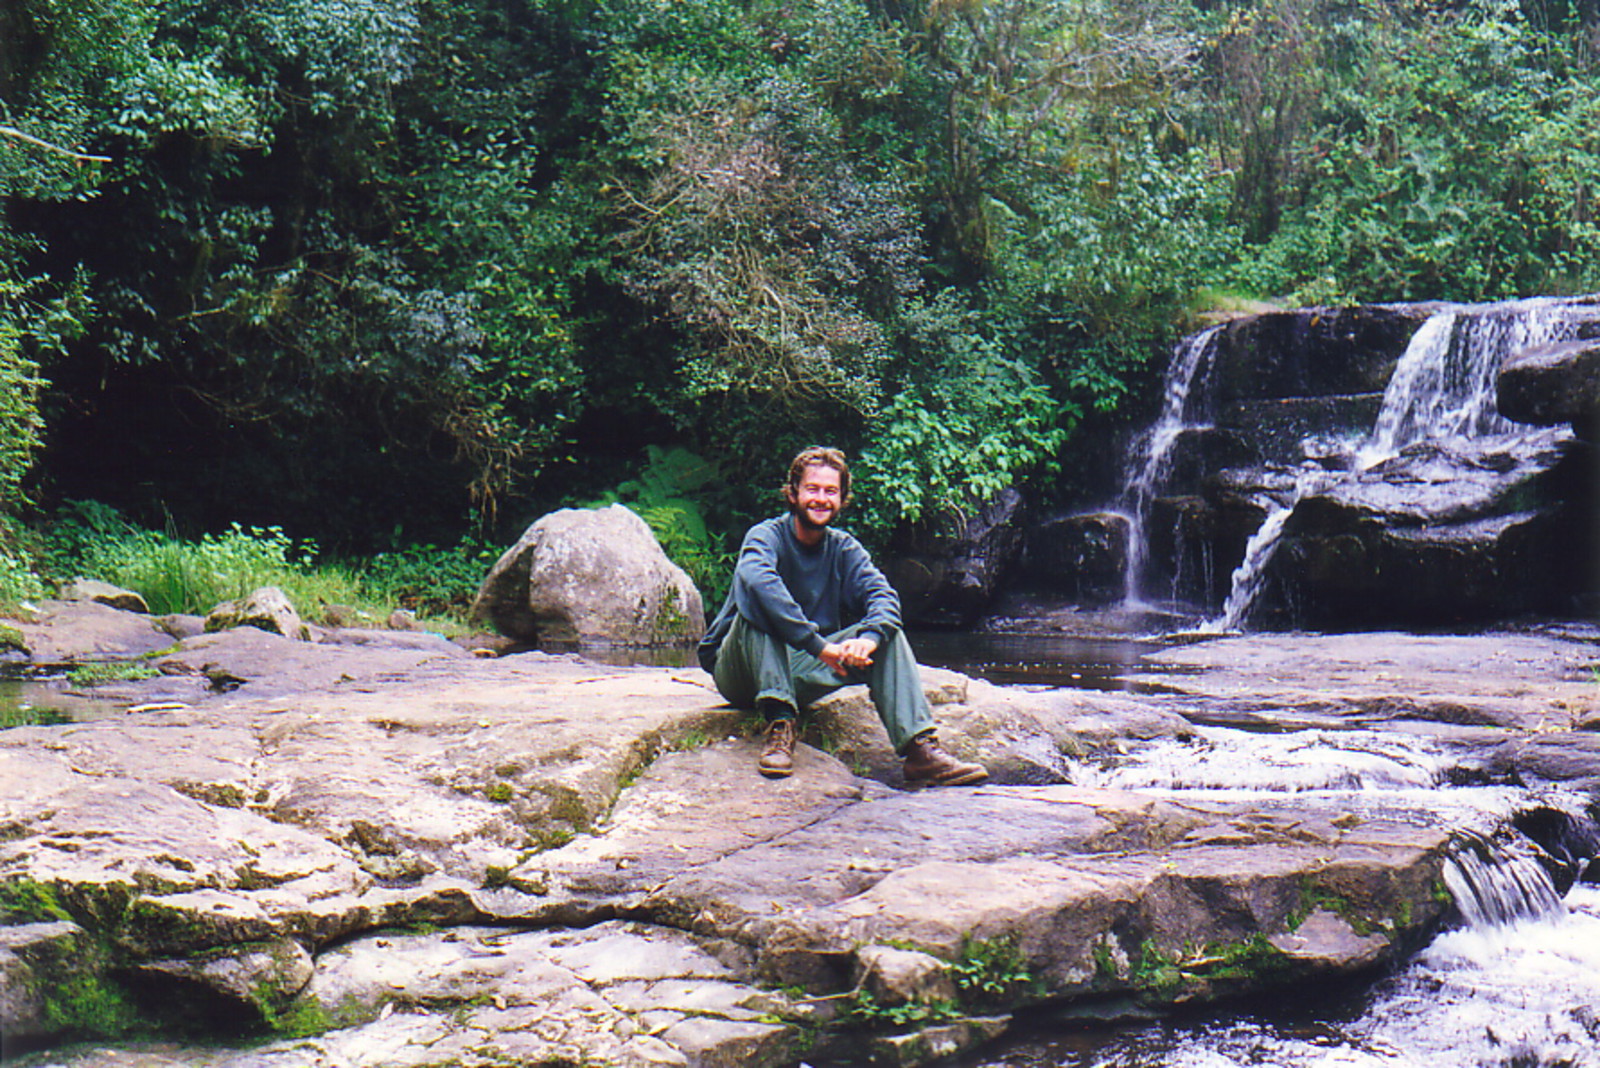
[376, 851]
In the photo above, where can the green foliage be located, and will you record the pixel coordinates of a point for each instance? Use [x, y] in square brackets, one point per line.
[89, 1006]
[994, 971]
[30, 901]
[1166, 974]
[19, 584]
[1462, 172]
[20, 423]
[97, 672]
[866, 1009]
[182, 575]
[976, 421]
[429, 580]
[689, 740]
[431, 259]
[12, 639]
[302, 1018]
[674, 494]
[15, 713]
[1105, 268]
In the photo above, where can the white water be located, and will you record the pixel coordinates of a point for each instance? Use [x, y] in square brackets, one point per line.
[1518, 986]
[1517, 995]
[1442, 389]
[1248, 577]
[1151, 462]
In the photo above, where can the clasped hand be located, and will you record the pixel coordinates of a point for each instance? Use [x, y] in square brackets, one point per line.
[851, 653]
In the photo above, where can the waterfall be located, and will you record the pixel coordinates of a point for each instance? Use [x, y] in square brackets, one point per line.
[1497, 886]
[1444, 385]
[1251, 572]
[1151, 461]
[1442, 389]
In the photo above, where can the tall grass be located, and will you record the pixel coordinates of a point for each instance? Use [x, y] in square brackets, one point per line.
[193, 576]
[174, 574]
[18, 582]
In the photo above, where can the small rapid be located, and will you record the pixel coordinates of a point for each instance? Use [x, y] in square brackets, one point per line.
[1512, 982]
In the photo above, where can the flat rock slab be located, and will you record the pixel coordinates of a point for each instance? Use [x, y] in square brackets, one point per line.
[1518, 681]
[1076, 879]
[77, 631]
[326, 841]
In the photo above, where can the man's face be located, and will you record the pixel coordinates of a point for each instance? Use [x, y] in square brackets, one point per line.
[817, 498]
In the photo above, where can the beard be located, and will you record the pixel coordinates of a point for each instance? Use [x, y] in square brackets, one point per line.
[804, 518]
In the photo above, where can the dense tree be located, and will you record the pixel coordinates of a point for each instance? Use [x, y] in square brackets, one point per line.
[370, 268]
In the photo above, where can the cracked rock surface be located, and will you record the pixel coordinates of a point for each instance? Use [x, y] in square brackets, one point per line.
[373, 853]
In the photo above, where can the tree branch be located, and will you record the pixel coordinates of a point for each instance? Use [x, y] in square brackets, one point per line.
[13, 132]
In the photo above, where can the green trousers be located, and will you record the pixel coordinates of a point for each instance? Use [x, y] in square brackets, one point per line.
[756, 667]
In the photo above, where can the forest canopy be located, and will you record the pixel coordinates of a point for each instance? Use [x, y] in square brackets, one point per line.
[380, 270]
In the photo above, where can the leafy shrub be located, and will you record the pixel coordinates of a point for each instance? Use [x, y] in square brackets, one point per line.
[674, 495]
[427, 579]
[19, 412]
[177, 575]
[979, 420]
[18, 581]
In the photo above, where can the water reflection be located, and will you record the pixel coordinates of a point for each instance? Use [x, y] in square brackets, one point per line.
[31, 696]
[1044, 660]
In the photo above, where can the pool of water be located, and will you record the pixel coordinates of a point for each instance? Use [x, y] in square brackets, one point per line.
[32, 696]
[1090, 662]
[1034, 659]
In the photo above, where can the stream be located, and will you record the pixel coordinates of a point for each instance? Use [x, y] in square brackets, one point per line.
[1516, 985]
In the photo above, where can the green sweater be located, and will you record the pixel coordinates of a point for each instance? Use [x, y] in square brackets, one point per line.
[800, 594]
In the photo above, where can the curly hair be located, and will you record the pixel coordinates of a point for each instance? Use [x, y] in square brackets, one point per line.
[817, 456]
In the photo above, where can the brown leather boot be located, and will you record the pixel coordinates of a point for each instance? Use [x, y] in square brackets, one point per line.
[777, 756]
[927, 764]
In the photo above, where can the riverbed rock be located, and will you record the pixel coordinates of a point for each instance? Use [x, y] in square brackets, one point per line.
[81, 631]
[1313, 352]
[1084, 556]
[595, 577]
[267, 608]
[1552, 384]
[541, 858]
[1020, 736]
[37, 961]
[104, 593]
[948, 569]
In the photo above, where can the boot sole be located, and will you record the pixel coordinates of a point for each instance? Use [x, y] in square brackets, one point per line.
[775, 773]
[969, 779]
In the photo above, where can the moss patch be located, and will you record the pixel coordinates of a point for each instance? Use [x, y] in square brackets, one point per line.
[98, 672]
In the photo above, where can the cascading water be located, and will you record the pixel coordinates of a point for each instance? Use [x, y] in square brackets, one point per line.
[1442, 389]
[1444, 385]
[1516, 984]
[1151, 462]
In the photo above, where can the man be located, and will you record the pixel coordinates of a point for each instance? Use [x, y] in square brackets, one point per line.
[809, 613]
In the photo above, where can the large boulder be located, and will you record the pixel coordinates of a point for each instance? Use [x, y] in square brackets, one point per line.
[1552, 384]
[590, 577]
[948, 570]
[1085, 556]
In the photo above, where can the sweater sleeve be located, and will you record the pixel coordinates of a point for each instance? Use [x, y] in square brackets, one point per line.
[874, 602]
[763, 597]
